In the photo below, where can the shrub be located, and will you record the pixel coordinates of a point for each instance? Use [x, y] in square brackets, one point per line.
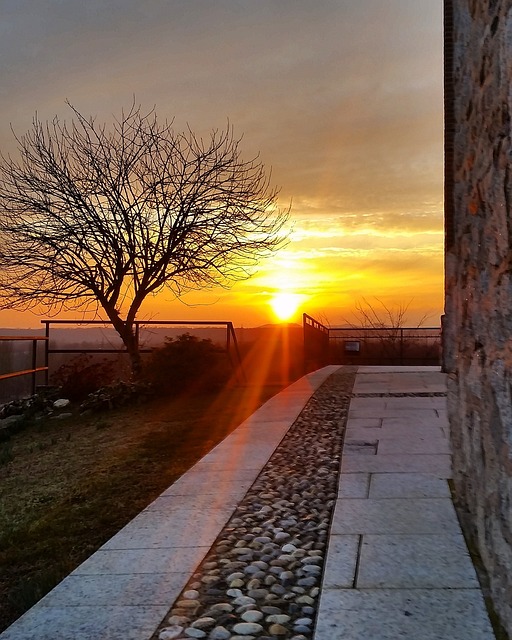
[116, 395]
[187, 363]
[82, 375]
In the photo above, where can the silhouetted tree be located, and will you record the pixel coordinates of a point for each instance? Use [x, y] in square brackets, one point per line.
[92, 217]
[379, 315]
[390, 319]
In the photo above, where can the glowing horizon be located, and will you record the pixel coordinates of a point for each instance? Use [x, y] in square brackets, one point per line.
[324, 273]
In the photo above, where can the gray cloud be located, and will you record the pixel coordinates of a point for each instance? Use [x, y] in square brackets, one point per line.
[343, 98]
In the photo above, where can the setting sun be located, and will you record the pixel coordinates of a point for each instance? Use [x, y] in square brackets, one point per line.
[284, 305]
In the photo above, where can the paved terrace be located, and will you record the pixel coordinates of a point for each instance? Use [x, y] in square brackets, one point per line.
[396, 564]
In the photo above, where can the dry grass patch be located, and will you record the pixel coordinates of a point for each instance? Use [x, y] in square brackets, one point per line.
[67, 486]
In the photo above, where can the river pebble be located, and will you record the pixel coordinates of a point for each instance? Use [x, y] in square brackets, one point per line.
[261, 578]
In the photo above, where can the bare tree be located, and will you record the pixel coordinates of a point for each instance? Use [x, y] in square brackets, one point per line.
[99, 218]
[389, 319]
[379, 315]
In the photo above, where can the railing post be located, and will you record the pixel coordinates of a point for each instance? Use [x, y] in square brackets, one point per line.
[305, 342]
[231, 334]
[316, 339]
[137, 334]
[47, 352]
[34, 364]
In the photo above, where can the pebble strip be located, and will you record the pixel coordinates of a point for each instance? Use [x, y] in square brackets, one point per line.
[261, 578]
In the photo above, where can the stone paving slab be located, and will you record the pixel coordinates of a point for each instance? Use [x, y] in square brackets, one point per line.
[177, 529]
[169, 503]
[416, 402]
[364, 423]
[125, 590]
[417, 420]
[415, 562]
[132, 561]
[354, 485]
[342, 561]
[434, 443]
[212, 481]
[92, 622]
[378, 370]
[247, 440]
[399, 380]
[399, 432]
[394, 515]
[400, 403]
[407, 485]
[372, 387]
[217, 486]
[439, 464]
[408, 614]
[404, 412]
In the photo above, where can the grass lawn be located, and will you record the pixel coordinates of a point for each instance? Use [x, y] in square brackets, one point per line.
[67, 486]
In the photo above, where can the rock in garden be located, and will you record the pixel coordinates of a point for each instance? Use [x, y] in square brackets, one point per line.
[219, 633]
[203, 623]
[243, 600]
[178, 621]
[61, 403]
[62, 416]
[191, 632]
[169, 633]
[279, 618]
[247, 628]
[252, 616]
[236, 583]
[189, 605]
[278, 630]
[281, 536]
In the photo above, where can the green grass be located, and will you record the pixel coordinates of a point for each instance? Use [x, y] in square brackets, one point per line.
[67, 486]
[5, 453]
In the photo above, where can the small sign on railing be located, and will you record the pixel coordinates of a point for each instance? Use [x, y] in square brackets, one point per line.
[352, 346]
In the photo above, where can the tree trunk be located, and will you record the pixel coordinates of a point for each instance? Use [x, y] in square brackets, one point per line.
[132, 347]
[126, 332]
[135, 359]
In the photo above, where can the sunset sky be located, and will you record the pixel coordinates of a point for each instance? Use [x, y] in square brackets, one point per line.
[342, 98]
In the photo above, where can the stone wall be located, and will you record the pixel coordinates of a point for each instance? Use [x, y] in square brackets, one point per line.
[478, 321]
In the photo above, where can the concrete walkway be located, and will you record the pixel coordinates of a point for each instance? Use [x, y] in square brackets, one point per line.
[397, 565]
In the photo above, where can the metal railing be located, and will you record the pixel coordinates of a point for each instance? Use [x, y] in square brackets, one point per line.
[316, 343]
[369, 345]
[231, 340]
[385, 345]
[34, 369]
